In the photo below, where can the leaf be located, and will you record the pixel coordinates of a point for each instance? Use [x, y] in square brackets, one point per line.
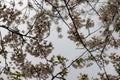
[61, 58]
[64, 73]
[91, 57]
[4, 6]
[81, 59]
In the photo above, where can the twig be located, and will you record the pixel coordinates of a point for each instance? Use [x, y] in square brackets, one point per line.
[77, 34]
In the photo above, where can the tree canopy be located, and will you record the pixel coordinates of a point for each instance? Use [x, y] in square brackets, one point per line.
[92, 25]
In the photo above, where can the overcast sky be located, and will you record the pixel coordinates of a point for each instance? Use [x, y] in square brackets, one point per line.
[67, 48]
